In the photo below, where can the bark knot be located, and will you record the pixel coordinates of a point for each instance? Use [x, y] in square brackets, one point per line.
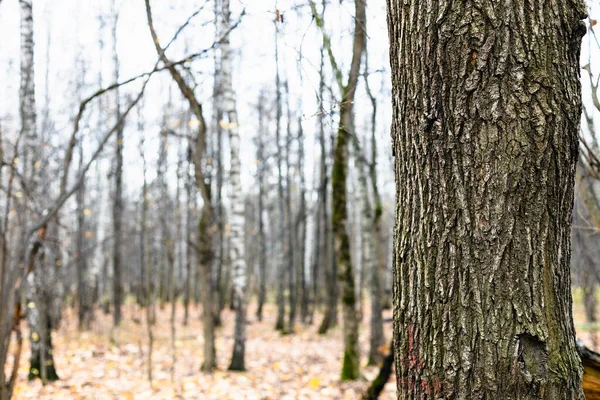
[532, 357]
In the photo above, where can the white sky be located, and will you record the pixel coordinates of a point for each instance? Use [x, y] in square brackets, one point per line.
[73, 30]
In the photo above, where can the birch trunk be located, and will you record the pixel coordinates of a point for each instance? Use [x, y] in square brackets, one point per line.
[238, 260]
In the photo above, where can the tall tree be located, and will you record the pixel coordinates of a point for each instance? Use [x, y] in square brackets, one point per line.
[323, 248]
[205, 253]
[260, 173]
[290, 243]
[118, 174]
[238, 260]
[280, 321]
[42, 255]
[300, 225]
[221, 281]
[351, 361]
[378, 268]
[486, 103]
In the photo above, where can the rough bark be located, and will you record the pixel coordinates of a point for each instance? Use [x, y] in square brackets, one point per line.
[486, 103]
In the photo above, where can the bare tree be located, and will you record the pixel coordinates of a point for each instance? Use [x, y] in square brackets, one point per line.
[351, 362]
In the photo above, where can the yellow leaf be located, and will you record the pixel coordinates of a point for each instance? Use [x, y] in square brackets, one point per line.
[86, 211]
[18, 195]
[230, 125]
[37, 164]
[35, 336]
[31, 304]
[194, 123]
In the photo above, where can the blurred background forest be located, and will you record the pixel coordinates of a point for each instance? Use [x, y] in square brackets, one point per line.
[159, 159]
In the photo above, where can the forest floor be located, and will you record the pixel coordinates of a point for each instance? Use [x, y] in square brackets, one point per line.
[304, 365]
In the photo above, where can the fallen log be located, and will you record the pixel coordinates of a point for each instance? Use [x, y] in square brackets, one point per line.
[591, 371]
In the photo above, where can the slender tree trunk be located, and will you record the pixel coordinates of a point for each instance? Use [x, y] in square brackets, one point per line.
[84, 289]
[238, 260]
[339, 220]
[118, 196]
[280, 322]
[38, 318]
[327, 251]
[205, 253]
[379, 267]
[188, 241]
[291, 236]
[301, 229]
[262, 256]
[146, 276]
[220, 281]
[369, 260]
[485, 128]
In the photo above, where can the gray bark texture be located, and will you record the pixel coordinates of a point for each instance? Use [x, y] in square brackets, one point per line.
[486, 103]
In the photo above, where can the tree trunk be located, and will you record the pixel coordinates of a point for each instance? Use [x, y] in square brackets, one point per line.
[369, 260]
[291, 234]
[485, 128]
[339, 220]
[220, 281]
[376, 324]
[205, 256]
[327, 260]
[280, 322]
[238, 260]
[188, 241]
[118, 199]
[84, 287]
[262, 256]
[301, 228]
